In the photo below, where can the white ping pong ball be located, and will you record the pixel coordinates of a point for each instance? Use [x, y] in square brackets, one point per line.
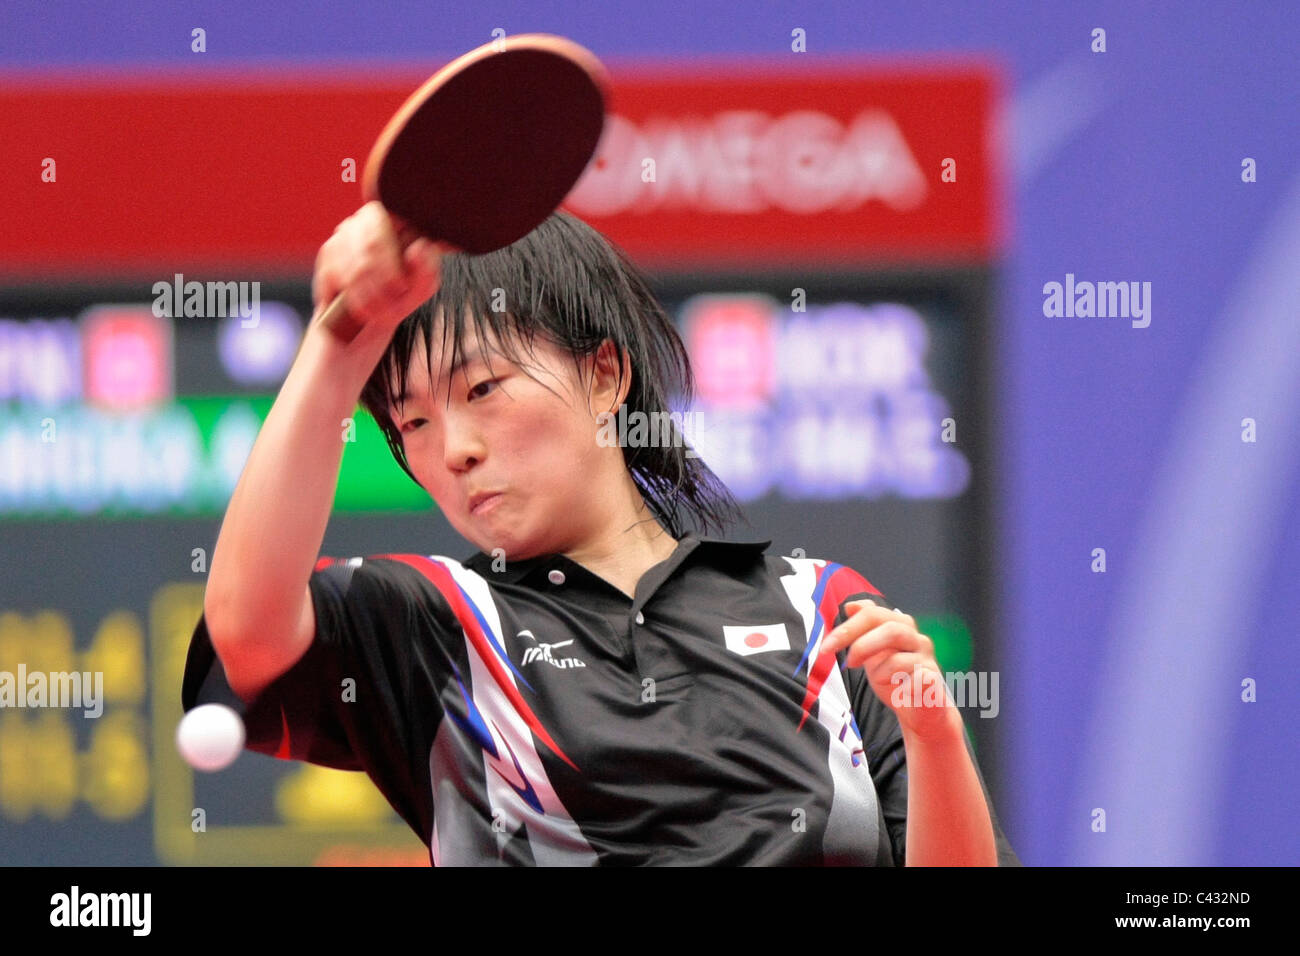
[210, 737]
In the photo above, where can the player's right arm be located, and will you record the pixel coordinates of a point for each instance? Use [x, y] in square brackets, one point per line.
[257, 604]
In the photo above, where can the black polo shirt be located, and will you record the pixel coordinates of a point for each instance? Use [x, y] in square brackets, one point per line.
[531, 713]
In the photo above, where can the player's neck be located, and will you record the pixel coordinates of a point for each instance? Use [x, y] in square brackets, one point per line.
[627, 550]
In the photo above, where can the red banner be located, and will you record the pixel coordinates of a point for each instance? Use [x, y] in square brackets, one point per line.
[701, 166]
[746, 167]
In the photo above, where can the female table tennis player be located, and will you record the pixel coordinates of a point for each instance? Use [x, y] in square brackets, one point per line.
[601, 682]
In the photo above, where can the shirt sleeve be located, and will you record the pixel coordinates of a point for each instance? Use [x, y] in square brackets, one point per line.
[351, 701]
[882, 742]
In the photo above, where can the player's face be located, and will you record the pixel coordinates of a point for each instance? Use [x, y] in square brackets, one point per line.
[493, 428]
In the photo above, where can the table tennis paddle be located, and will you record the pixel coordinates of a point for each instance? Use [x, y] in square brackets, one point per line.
[487, 148]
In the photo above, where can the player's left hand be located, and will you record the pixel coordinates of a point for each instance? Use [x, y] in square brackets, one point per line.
[895, 656]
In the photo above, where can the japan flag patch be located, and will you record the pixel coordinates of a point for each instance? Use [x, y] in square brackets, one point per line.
[746, 640]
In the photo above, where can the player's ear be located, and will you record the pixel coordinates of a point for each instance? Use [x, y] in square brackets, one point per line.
[611, 377]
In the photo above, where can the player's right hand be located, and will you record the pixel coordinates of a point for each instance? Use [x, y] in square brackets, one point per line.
[366, 262]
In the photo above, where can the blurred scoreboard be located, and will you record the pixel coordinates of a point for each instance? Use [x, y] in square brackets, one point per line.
[844, 411]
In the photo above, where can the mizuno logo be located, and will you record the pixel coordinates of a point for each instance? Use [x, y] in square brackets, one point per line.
[546, 653]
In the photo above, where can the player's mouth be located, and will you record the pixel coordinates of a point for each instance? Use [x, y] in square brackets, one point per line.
[484, 502]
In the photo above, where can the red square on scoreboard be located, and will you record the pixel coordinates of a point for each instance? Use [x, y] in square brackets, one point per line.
[730, 341]
[127, 357]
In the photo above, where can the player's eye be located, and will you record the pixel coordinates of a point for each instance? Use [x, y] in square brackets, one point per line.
[475, 390]
[413, 424]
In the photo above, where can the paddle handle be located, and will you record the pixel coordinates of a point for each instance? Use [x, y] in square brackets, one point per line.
[336, 317]
[341, 323]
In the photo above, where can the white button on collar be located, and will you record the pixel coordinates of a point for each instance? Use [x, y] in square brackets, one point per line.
[640, 618]
[556, 576]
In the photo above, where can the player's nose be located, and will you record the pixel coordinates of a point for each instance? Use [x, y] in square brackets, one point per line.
[463, 445]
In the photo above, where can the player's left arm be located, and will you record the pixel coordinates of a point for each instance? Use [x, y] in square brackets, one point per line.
[948, 819]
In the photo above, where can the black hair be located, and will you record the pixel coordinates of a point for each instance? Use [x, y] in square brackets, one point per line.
[568, 283]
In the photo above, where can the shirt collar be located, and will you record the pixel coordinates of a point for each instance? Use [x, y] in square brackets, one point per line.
[515, 571]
